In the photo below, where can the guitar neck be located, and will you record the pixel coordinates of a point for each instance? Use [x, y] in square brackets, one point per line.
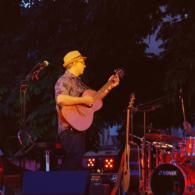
[103, 91]
[109, 85]
[129, 109]
[127, 127]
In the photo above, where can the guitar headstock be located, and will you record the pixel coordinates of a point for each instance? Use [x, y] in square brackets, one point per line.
[119, 72]
[132, 100]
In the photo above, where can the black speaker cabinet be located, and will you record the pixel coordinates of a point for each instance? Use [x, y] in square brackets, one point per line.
[55, 183]
[99, 189]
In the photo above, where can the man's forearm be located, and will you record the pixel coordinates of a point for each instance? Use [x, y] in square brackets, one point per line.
[66, 100]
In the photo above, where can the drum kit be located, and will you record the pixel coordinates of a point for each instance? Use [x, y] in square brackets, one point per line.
[168, 164]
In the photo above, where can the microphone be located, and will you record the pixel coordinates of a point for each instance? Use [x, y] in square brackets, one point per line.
[40, 66]
[43, 64]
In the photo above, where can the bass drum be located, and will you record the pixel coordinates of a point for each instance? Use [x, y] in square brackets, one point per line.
[168, 179]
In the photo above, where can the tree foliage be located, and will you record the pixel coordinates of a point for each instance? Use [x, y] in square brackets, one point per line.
[110, 33]
[177, 31]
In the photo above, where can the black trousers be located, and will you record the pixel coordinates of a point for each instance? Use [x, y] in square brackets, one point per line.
[74, 146]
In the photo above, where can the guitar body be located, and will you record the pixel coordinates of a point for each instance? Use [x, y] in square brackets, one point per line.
[123, 172]
[80, 117]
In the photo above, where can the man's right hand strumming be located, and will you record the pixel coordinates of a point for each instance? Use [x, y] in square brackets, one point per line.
[88, 100]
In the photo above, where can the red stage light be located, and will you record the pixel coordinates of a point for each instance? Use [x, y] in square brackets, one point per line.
[102, 161]
[109, 163]
[91, 162]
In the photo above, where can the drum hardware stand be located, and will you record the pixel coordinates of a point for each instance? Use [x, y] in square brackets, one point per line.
[131, 141]
[146, 153]
[144, 160]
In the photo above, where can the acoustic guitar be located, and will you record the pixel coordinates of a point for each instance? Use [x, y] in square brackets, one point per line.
[124, 169]
[80, 117]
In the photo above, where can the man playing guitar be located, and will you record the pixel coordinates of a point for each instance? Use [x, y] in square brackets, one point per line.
[75, 104]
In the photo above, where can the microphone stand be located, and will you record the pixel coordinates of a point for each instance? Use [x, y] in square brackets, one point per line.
[24, 85]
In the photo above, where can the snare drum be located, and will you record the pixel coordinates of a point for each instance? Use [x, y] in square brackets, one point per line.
[164, 152]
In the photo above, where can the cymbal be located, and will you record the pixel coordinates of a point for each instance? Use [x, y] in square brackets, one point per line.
[162, 137]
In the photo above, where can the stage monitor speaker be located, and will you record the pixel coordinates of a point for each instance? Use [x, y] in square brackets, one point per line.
[55, 183]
